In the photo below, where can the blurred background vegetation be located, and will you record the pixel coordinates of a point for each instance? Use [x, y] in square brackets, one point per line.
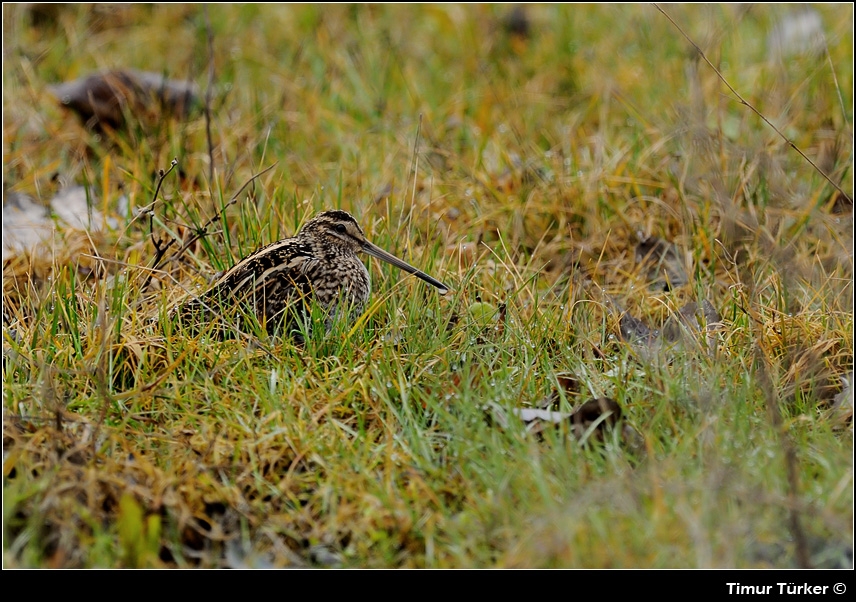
[526, 155]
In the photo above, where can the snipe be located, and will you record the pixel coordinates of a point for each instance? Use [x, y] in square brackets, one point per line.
[279, 281]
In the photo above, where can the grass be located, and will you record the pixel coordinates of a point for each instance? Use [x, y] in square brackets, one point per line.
[520, 170]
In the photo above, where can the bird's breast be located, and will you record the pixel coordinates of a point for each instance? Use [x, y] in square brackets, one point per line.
[344, 275]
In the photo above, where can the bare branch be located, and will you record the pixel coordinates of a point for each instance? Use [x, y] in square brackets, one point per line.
[203, 230]
[747, 104]
[208, 93]
[159, 250]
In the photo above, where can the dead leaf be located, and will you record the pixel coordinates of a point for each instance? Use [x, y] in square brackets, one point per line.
[841, 412]
[595, 416]
[798, 33]
[568, 383]
[105, 98]
[666, 267]
[530, 415]
[26, 224]
[692, 319]
[517, 23]
[535, 419]
[29, 228]
[591, 419]
[635, 331]
[690, 323]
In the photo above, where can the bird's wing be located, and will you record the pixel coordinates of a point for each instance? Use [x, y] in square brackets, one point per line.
[278, 264]
[276, 269]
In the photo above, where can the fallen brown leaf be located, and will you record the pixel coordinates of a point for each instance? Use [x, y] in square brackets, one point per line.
[105, 98]
[591, 419]
[690, 322]
[568, 383]
[666, 267]
[598, 414]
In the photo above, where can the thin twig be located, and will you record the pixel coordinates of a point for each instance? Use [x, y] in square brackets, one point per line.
[150, 211]
[835, 81]
[189, 293]
[414, 160]
[103, 327]
[747, 104]
[208, 94]
[203, 230]
[794, 523]
[414, 171]
[199, 233]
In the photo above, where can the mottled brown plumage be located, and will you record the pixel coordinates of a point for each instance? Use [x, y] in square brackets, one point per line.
[278, 281]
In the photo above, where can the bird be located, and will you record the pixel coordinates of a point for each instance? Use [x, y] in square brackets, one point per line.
[279, 282]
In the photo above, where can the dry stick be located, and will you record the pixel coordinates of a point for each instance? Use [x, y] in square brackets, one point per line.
[208, 93]
[150, 211]
[791, 467]
[103, 325]
[414, 161]
[414, 170]
[200, 232]
[204, 229]
[794, 525]
[151, 385]
[159, 250]
[754, 110]
[835, 79]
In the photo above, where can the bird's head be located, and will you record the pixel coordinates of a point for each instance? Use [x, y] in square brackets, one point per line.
[341, 229]
[337, 228]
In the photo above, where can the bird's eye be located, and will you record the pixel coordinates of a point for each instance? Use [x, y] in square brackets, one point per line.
[340, 228]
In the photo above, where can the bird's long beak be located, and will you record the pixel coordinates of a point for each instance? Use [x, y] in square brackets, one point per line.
[376, 251]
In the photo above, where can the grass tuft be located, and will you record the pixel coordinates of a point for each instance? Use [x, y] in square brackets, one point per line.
[524, 156]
